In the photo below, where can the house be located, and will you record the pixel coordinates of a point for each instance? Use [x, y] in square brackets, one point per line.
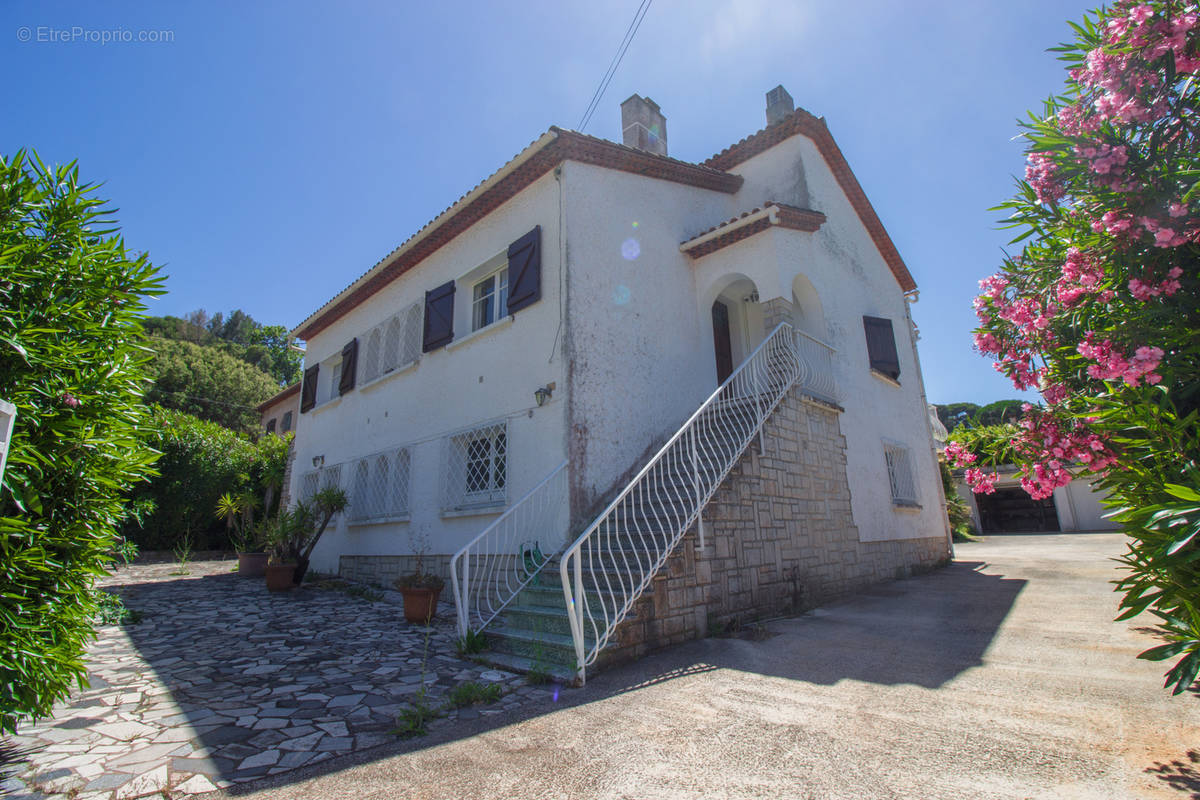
[1076, 507]
[279, 413]
[620, 398]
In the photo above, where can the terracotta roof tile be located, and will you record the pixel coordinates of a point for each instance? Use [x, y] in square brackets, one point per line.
[748, 223]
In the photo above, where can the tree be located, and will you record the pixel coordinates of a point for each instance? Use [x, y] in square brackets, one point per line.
[267, 347]
[208, 383]
[72, 356]
[1100, 311]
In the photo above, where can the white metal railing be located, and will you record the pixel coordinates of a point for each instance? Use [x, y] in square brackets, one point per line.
[487, 573]
[613, 561]
[816, 360]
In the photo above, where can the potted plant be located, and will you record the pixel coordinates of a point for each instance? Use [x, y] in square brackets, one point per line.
[293, 534]
[420, 589]
[238, 513]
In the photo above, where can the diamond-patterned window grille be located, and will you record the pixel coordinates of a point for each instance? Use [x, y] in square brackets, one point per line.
[370, 361]
[477, 467]
[380, 488]
[308, 486]
[900, 474]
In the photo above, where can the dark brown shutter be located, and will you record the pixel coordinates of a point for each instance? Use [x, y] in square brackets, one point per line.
[308, 389]
[525, 270]
[881, 346]
[271, 426]
[439, 317]
[349, 367]
[287, 423]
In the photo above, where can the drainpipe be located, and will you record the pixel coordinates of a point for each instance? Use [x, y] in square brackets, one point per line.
[911, 297]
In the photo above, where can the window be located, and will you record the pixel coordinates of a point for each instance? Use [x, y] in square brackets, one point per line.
[477, 468]
[380, 490]
[287, 422]
[335, 380]
[900, 475]
[881, 346]
[271, 426]
[490, 300]
[308, 486]
[392, 344]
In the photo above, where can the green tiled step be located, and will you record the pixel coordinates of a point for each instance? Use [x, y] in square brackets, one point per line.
[538, 618]
[521, 664]
[541, 646]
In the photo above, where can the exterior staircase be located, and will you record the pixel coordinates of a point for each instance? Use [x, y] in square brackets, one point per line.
[554, 615]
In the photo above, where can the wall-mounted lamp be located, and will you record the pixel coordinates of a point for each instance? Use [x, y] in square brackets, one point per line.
[318, 461]
[542, 394]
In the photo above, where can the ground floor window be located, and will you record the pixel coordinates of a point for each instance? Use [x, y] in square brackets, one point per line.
[900, 474]
[477, 467]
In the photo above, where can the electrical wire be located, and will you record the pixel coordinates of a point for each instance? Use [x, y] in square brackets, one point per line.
[630, 32]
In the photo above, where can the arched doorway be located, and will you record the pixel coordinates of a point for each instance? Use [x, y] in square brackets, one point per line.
[737, 325]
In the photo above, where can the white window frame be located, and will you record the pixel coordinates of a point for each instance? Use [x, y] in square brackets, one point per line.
[461, 449]
[498, 295]
[902, 479]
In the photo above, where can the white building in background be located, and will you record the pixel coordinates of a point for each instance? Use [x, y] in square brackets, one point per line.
[578, 305]
[1076, 507]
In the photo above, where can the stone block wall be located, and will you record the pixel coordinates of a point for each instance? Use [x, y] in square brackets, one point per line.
[382, 570]
[780, 538]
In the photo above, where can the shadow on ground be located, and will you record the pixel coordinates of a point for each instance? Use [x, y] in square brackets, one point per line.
[1181, 774]
[279, 688]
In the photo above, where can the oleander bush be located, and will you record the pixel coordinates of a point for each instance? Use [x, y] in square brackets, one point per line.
[72, 360]
[1100, 311]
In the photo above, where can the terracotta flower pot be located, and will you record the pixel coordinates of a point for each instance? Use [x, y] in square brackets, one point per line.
[281, 577]
[252, 565]
[420, 604]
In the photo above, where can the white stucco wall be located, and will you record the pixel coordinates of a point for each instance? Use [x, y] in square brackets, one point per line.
[491, 375]
[640, 327]
[850, 279]
[1080, 507]
[641, 358]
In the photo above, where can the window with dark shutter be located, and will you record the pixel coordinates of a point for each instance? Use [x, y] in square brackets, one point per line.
[881, 346]
[271, 426]
[287, 422]
[308, 389]
[439, 317]
[525, 270]
[349, 367]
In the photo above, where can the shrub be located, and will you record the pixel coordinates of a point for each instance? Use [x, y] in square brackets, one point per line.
[72, 357]
[1100, 312]
[200, 461]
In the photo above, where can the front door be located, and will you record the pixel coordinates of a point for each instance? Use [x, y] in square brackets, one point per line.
[721, 344]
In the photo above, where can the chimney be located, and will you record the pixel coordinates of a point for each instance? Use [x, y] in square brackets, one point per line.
[643, 126]
[779, 105]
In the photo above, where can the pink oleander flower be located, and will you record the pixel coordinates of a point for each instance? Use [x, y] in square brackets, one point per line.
[70, 400]
[958, 455]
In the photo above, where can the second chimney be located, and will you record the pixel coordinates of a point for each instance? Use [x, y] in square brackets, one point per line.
[779, 105]
[643, 125]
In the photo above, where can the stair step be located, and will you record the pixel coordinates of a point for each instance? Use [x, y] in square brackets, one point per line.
[540, 646]
[523, 665]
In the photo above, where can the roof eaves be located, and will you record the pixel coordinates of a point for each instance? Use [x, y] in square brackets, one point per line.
[751, 222]
[802, 122]
[283, 395]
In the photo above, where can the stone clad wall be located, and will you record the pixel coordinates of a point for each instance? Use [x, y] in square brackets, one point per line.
[780, 538]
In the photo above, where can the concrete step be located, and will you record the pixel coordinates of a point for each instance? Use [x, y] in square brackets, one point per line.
[523, 665]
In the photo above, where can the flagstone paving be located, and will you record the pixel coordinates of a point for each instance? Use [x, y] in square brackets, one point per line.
[222, 682]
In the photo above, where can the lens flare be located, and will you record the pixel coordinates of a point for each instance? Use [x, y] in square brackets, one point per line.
[630, 249]
[635, 225]
[621, 295]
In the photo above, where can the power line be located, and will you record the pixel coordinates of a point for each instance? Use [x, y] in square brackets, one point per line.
[630, 32]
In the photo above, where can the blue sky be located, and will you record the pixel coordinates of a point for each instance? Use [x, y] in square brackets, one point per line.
[272, 152]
